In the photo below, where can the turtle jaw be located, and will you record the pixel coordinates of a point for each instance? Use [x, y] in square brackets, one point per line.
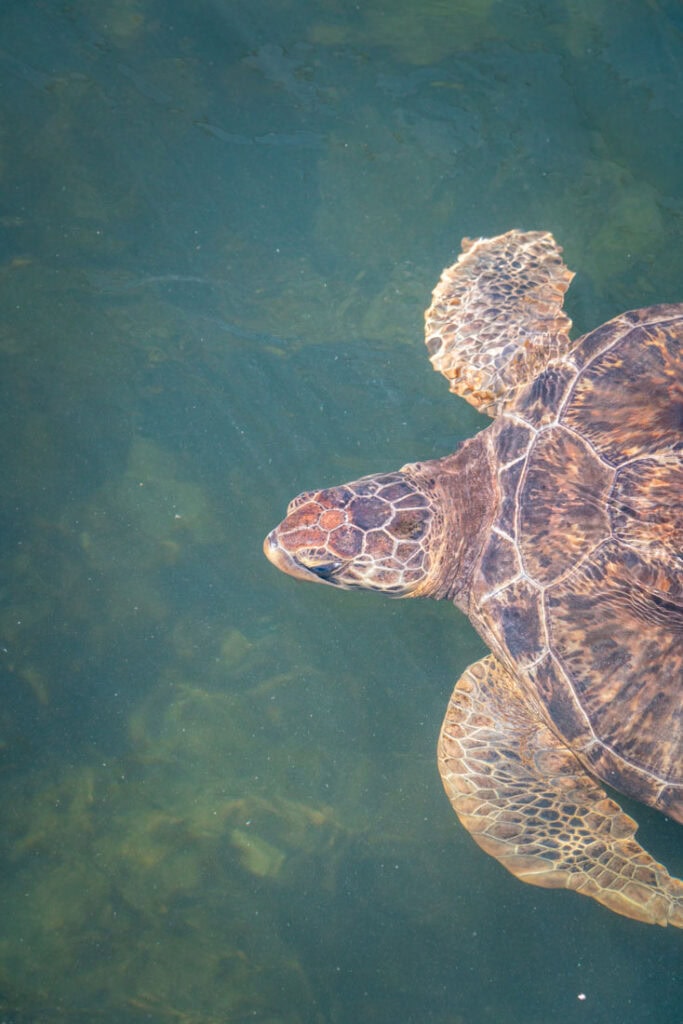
[287, 563]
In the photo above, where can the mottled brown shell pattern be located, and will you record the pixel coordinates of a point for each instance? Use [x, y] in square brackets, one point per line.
[496, 317]
[580, 584]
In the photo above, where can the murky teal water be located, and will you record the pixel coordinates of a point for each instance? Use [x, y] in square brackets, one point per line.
[221, 222]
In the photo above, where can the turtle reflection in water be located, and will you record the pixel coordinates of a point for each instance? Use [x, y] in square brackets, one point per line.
[559, 531]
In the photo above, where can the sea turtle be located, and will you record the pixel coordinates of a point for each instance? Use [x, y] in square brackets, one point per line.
[558, 530]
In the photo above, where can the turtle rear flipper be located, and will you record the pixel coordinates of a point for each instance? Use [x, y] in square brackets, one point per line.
[496, 317]
[527, 801]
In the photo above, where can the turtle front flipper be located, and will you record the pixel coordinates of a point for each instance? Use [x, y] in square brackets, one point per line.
[527, 801]
[496, 317]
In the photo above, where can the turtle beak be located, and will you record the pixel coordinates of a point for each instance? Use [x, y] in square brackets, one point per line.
[284, 561]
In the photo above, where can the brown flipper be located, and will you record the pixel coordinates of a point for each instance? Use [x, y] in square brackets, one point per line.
[527, 801]
[496, 316]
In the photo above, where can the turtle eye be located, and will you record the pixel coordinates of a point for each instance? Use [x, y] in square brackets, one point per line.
[324, 571]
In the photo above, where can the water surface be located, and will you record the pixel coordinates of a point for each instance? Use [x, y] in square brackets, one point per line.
[221, 223]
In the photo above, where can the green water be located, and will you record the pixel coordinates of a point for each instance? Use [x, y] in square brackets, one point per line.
[221, 222]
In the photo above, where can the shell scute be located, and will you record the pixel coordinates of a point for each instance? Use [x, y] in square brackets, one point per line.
[508, 481]
[551, 685]
[563, 504]
[538, 402]
[500, 560]
[615, 641]
[648, 515]
[512, 440]
[517, 617]
[628, 399]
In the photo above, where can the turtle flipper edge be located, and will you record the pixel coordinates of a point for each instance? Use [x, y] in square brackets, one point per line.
[496, 317]
[526, 800]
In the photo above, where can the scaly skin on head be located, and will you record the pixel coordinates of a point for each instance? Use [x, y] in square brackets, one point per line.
[392, 532]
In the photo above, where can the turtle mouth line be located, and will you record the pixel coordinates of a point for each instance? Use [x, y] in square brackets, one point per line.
[287, 563]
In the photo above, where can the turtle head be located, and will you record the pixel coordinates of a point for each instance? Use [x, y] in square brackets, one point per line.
[374, 534]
